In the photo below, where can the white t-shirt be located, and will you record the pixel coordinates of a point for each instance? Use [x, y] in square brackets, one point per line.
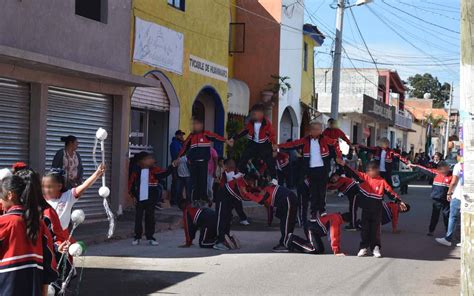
[383, 155]
[144, 184]
[315, 159]
[256, 127]
[232, 175]
[458, 171]
[63, 206]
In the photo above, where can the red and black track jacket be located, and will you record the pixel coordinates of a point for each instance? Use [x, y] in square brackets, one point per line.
[240, 190]
[336, 133]
[51, 219]
[389, 156]
[343, 184]
[439, 190]
[156, 173]
[282, 160]
[329, 148]
[374, 188]
[24, 267]
[266, 133]
[198, 145]
[193, 220]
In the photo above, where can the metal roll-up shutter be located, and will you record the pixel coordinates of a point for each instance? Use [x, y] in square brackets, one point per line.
[14, 122]
[79, 113]
[153, 98]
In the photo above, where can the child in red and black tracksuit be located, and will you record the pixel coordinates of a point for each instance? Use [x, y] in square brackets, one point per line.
[27, 263]
[229, 198]
[228, 175]
[372, 189]
[385, 156]
[390, 213]
[331, 223]
[439, 193]
[286, 204]
[282, 161]
[202, 219]
[261, 140]
[349, 188]
[197, 147]
[318, 150]
[335, 133]
[143, 186]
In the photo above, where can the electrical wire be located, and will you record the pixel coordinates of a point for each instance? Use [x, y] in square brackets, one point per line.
[363, 40]
[406, 40]
[426, 10]
[418, 18]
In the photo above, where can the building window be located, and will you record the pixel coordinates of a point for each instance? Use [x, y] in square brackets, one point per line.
[179, 4]
[305, 56]
[92, 9]
[236, 38]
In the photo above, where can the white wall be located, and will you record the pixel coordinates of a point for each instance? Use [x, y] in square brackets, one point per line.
[291, 61]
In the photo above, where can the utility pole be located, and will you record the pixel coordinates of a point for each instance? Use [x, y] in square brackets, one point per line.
[448, 123]
[336, 73]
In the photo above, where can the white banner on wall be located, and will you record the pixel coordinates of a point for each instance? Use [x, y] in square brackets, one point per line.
[207, 68]
[158, 46]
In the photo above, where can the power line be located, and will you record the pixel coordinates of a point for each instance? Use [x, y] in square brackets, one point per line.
[423, 9]
[442, 5]
[418, 18]
[363, 40]
[405, 39]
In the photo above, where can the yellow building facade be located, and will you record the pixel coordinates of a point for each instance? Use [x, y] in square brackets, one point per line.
[164, 32]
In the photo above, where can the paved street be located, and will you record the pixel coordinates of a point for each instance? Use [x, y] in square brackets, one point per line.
[413, 264]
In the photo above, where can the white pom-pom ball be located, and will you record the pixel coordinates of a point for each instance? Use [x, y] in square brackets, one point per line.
[101, 134]
[75, 250]
[78, 216]
[51, 291]
[4, 173]
[104, 191]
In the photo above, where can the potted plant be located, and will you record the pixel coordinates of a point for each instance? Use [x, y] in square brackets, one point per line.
[278, 84]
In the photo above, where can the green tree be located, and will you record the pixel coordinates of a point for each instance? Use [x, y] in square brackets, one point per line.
[420, 84]
[232, 128]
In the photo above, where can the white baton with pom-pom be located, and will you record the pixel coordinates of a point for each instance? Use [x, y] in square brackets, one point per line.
[104, 191]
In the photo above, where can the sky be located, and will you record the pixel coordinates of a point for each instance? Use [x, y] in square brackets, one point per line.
[414, 36]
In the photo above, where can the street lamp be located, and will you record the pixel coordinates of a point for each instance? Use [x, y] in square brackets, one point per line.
[336, 73]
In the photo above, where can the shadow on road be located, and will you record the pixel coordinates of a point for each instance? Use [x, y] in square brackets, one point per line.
[102, 281]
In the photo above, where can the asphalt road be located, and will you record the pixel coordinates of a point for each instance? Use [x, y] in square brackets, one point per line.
[413, 264]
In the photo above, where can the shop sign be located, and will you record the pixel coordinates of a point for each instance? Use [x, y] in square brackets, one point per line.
[378, 110]
[207, 68]
[158, 46]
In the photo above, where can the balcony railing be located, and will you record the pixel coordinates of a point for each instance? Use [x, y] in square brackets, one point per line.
[402, 120]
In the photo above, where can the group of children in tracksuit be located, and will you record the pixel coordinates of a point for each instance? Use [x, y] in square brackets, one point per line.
[35, 214]
[320, 153]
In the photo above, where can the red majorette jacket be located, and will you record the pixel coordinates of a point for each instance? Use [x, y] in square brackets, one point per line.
[198, 145]
[374, 188]
[282, 160]
[329, 148]
[336, 133]
[439, 190]
[265, 134]
[343, 184]
[24, 267]
[240, 190]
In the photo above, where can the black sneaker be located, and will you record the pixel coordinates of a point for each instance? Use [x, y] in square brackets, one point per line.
[280, 249]
[429, 234]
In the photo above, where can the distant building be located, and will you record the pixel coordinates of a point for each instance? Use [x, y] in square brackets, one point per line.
[371, 105]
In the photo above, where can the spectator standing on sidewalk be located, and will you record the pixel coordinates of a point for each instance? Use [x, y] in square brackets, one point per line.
[183, 180]
[454, 197]
[175, 147]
